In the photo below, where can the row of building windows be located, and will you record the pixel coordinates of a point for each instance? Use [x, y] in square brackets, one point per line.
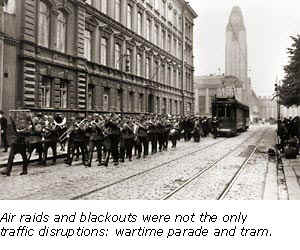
[150, 30]
[44, 21]
[171, 14]
[47, 98]
[148, 68]
[46, 93]
[44, 36]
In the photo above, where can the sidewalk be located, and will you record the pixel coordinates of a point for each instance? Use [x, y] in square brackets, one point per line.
[18, 158]
[291, 170]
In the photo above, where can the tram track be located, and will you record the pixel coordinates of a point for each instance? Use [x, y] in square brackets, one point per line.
[96, 190]
[144, 172]
[233, 180]
[212, 166]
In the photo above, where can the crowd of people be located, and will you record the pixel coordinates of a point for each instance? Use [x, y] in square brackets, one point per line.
[111, 136]
[289, 136]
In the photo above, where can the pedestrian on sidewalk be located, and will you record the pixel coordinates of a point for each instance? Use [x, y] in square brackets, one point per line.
[3, 124]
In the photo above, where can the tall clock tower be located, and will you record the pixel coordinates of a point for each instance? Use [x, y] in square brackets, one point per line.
[236, 61]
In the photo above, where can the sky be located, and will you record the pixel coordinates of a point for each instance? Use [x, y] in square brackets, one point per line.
[269, 24]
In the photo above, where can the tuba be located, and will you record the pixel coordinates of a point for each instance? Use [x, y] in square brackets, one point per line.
[59, 121]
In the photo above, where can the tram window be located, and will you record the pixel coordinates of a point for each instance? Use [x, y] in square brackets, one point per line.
[221, 111]
[229, 112]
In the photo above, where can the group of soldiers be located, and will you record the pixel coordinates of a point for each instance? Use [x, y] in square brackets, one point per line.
[119, 137]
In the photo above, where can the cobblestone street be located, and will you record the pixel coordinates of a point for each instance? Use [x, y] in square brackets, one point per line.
[161, 174]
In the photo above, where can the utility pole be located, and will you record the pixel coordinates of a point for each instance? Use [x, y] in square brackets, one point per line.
[277, 93]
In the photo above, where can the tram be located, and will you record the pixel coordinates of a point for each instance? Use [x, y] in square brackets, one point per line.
[233, 116]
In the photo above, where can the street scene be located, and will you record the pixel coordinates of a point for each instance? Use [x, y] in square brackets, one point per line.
[148, 100]
[216, 161]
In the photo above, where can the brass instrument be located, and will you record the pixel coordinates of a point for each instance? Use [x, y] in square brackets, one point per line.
[59, 121]
[65, 135]
[140, 125]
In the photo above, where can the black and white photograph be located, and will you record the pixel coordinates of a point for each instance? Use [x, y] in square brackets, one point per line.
[149, 100]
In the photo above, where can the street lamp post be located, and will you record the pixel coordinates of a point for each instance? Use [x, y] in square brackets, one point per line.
[278, 156]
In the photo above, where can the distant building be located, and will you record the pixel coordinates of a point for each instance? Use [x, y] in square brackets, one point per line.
[268, 107]
[209, 87]
[236, 54]
[236, 61]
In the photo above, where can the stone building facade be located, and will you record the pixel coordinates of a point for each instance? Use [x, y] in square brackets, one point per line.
[270, 109]
[132, 56]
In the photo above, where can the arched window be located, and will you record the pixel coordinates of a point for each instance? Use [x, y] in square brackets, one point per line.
[163, 74]
[44, 25]
[104, 6]
[147, 68]
[139, 23]
[61, 32]
[175, 77]
[118, 56]
[156, 71]
[129, 16]
[88, 45]
[139, 65]
[129, 60]
[163, 41]
[104, 51]
[148, 30]
[169, 76]
[118, 10]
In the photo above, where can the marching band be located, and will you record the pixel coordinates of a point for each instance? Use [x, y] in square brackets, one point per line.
[112, 136]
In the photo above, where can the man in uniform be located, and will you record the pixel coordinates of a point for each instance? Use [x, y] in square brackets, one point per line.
[197, 130]
[127, 140]
[78, 141]
[174, 133]
[115, 133]
[18, 146]
[160, 131]
[153, 136]
[142, 139]
[34, 139]
[205, 127]
[215, 125]
[95, 140]
[166, 134]
[50, 140]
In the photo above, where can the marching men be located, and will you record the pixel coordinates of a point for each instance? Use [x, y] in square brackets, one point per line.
[111, 136]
